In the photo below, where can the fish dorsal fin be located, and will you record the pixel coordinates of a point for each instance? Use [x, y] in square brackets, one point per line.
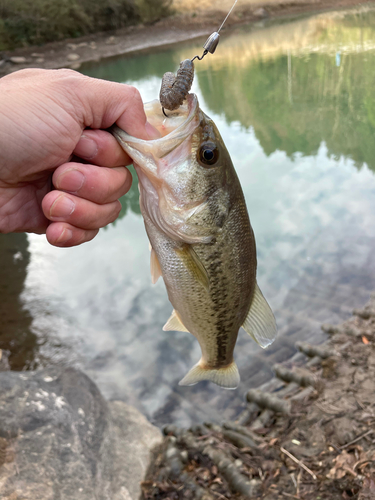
[192, 262]
[155, 267]
[260, 322]
[174, 324]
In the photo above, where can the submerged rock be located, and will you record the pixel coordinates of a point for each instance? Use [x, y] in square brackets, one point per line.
[61, 439]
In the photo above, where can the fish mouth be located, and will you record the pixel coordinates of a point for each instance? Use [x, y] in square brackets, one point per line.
[174, 129]
[175, 121]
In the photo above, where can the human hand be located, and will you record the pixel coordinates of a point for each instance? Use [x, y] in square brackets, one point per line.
[43, 117]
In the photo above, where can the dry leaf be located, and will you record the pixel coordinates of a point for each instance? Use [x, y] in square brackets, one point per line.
[368, 489]
[343, 465]
[217, 480]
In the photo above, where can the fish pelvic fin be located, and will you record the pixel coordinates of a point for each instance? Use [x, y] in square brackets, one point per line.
[227, 377]
[175, 324]
[260, 322]
[154, 267]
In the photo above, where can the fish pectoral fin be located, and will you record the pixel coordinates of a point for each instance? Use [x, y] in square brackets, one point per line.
[260, 322]
[193, 263]
[174, 324]
[227, 377]
[155, 267]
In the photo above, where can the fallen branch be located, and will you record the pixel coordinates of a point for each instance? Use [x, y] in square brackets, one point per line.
[302, 378]
[313, 350]
[269, 401]
[301, 464]
[238, 482]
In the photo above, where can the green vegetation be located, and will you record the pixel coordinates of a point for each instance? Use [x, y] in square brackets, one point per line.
[33, 22]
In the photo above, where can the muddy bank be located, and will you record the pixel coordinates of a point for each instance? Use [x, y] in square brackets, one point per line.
[308, 434]
[181, 27]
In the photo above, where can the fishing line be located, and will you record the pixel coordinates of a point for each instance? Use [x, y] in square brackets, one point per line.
[213, 40]
[222, 24]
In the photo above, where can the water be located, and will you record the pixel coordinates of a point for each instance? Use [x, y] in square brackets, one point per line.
[295, 104]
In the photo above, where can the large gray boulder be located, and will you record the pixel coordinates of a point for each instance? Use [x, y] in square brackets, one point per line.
[59, 439]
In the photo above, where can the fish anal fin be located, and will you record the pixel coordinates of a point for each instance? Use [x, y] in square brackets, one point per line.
[227, 377]
[193, 263]
[155, 267]
[260, 322]
[174, 324]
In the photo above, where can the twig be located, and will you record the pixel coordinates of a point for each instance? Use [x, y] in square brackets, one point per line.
[289, 495]
[301, 464]
[361, 463]
[356, 439]
[219, 495]
[337, 449]
[299, 482]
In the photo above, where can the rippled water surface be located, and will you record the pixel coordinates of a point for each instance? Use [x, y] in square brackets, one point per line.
[295, 104]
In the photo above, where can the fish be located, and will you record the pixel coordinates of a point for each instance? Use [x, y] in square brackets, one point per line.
[202, 242]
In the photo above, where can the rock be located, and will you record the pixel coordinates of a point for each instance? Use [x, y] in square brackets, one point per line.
[39, 60]
[73, 57]
[18, 60]
[37, 54]
[61, 439]
[261, 12]
[111, 40]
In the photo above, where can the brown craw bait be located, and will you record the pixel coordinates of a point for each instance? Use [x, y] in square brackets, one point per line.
[175, 88]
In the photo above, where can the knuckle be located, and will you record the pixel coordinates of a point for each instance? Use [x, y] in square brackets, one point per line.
[134, 95]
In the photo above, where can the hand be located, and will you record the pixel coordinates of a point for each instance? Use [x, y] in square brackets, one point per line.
[43, 117]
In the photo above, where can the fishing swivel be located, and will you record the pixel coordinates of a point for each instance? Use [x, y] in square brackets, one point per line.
[174, 89]
[209, 46]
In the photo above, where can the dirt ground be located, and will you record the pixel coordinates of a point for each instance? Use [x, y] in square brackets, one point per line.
[193, 19]
[312, 438]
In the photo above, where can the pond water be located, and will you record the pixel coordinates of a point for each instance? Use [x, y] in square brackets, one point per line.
[295, 104]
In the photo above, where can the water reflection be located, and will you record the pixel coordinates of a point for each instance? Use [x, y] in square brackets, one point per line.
[294, 104]
[15, 334]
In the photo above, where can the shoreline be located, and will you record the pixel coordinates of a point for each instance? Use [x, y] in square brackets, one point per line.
[72, 53]
[306, 434]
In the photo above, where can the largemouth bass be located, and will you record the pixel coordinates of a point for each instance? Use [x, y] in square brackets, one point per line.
[202, 241]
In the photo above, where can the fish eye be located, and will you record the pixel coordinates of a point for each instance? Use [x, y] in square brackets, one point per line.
[208, 154]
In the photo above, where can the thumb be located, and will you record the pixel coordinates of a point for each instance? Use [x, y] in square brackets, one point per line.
[106, 103]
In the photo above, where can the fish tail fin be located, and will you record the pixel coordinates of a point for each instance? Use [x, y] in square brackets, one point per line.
[227, 377]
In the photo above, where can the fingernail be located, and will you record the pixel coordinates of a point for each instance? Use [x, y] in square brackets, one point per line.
[152, 132]
[86, 148]
[62, 207]
[65, 236]
[71, 180]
